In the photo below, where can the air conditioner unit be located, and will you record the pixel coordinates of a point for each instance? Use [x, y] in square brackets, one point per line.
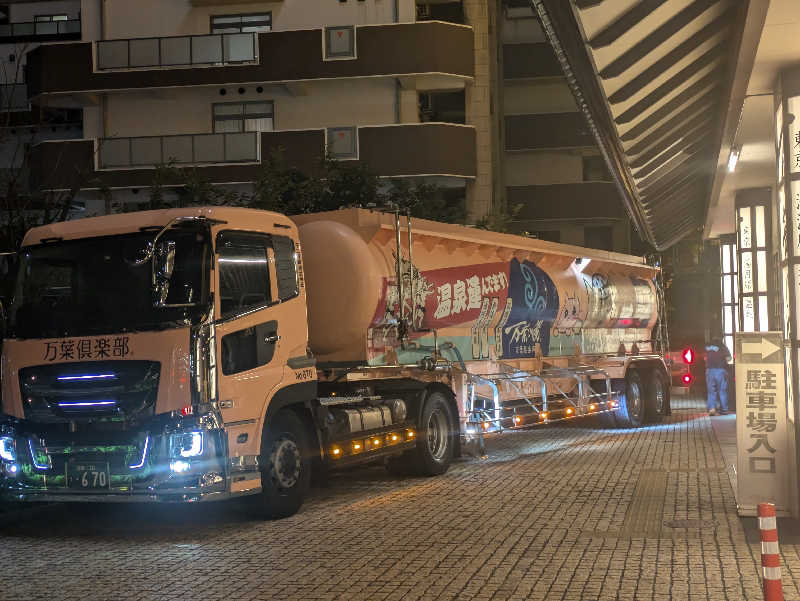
[423, 11]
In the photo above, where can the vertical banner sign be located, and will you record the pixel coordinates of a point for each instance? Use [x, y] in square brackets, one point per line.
[761, 437]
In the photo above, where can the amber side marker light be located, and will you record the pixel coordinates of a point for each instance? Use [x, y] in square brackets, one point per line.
[336, 452]
[517, 420]
[592, 407]
[570, 411]
[544, 415]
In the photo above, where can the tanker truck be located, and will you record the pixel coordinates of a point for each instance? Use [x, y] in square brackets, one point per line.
[200, 354]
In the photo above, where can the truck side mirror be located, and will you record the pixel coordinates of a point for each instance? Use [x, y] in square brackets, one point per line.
[163, 266]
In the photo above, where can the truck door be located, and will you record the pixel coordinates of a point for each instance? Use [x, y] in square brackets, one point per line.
[261, 325]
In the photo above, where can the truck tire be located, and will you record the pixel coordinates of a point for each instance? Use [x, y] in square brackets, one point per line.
[285, 466]
[631, 406]
[435, 443]
[656, 396]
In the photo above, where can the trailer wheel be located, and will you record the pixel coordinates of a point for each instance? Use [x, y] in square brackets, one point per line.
[285, 466]
[656, 396]
[435, 443]
[631, 408]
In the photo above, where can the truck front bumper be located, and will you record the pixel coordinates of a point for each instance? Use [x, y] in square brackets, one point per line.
[169, 459]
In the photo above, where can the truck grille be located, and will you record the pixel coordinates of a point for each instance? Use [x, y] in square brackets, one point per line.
[96, 392]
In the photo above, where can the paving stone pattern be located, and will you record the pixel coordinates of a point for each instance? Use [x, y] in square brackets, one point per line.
[576, 512]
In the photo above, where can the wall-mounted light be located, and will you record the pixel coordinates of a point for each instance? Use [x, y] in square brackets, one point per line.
[733, 159]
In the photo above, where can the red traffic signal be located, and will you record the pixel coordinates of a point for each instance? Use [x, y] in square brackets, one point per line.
[687, 379]
[688, 356]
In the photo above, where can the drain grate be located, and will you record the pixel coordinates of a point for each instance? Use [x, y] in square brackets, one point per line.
[690, 524]
[643, 518]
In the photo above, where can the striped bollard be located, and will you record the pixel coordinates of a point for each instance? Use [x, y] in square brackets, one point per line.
[770, 555]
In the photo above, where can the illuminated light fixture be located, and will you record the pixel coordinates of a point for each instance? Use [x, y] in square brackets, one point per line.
[13, 468]
[179, 466]
[87, 403]
[187, 410]
[87, 377]
[733, 159]
[189, 444]
[395, 438]
[410, 434]
[517, 419]
[8, 449]
[544, 415]
[336, 452]
[356, 447]
[688, 356]
[144, 454]
[570, 411]
[687, 378]
[592, 407]
[485, 425]
[36, 464]
[612, 404]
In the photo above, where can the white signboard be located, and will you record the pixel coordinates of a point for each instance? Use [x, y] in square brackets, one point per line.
[763, 457]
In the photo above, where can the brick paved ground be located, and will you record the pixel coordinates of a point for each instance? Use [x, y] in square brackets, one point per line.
[574, 513]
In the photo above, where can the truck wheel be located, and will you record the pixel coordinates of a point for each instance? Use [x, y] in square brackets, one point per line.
[435, 442]
[656, 396]
[285, 466]
[631, 407]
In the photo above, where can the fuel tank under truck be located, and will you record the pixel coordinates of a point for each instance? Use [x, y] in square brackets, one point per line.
[491, 295]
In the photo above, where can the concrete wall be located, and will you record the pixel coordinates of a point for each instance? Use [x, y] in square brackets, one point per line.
[177, 111]
[26, 11]
[542, 168]
[129, 19]
[534, 97]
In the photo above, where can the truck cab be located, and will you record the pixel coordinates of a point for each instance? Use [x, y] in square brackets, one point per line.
[146, 351]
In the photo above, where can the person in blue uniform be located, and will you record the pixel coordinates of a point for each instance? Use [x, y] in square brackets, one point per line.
[717, 357]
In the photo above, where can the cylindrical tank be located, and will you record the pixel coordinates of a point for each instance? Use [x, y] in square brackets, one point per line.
[491, 295]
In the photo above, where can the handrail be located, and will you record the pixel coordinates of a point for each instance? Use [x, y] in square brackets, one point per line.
[40, 28]
[177, 51]
[185, 149]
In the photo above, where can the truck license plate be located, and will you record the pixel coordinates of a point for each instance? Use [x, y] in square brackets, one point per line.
[88, 476]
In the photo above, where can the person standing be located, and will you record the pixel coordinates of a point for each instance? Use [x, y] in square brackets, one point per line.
[717, 357]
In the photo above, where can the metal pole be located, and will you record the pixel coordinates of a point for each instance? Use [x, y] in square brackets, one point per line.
[411, 272]
[400, 289]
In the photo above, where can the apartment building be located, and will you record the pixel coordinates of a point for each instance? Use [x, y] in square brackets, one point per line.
[465, 94]
[552, 167]
[23, 27]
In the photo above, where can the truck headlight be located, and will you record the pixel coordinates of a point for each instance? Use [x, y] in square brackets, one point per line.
[187, 444]
[8, 448]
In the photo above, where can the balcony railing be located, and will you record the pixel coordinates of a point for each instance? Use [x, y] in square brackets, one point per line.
[213, 49]
[40, 28]
[14, 97]
[193, 149]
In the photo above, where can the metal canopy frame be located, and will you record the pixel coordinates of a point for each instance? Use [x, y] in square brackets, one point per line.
[656, 100]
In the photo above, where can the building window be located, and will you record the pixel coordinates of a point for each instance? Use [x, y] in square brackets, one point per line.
[342, 142]
[241, 23]
[243, 116]
[599, 237]
[595, 169]
[340, 42]
[50, 18]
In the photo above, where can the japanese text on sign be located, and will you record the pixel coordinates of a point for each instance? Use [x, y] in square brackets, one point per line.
[467, 294]
[760, 389]
[87, 348]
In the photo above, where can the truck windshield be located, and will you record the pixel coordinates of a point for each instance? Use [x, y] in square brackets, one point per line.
[91, 286]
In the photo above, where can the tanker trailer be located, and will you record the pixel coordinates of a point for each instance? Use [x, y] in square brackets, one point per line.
[512, 332]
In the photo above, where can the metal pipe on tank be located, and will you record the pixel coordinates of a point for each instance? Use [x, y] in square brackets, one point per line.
[400, 290]
[411, 272]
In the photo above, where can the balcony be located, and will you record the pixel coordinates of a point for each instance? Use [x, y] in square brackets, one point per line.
[40, 31]
[547, 131]
[194, 50]
[411, 52]
[388, 151]
[574, 201]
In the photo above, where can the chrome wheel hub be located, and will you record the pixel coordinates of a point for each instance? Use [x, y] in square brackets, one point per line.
[285, 462]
